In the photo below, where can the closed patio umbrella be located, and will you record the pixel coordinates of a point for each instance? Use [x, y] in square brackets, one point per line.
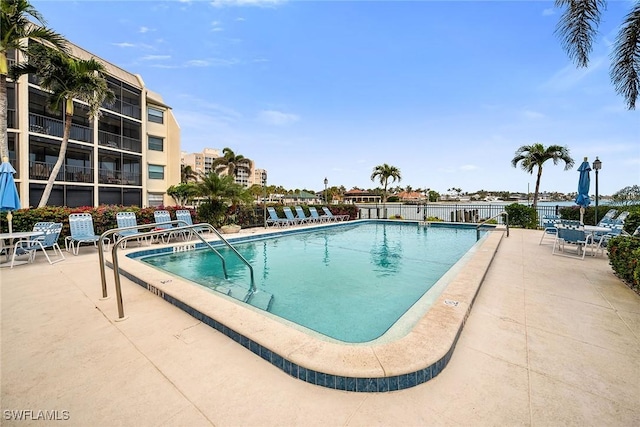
[9, 200]
[582, 199]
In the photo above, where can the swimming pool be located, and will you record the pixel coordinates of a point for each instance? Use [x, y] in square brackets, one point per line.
[395, 361]
[349, 283]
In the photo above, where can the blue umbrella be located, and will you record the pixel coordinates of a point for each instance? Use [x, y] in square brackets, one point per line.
[9, 199]
[582, 199]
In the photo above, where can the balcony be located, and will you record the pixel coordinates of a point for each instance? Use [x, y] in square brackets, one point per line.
[112, 140]
[42, 170]
[48, 126]
[117, 177]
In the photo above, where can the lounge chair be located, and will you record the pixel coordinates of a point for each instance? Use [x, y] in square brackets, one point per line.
[302, 217]
[290, 216]
[329, 214]
[575, 237]
[274, 220]
[319, 218]
[128, 219]
[164, 216]
[549, 223]
[48, 241]
[185, 216]
[82, 231]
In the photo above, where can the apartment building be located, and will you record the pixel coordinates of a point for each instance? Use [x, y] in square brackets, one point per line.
[129, 155]
[203, 162]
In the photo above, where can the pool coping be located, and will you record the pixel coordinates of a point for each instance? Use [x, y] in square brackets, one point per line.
[413, 359]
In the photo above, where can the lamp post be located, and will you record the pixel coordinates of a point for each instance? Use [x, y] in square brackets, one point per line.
[264, 197]
[597, 165]
[326, 181]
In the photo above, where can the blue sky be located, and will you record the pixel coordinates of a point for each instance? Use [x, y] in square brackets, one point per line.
[445, 91]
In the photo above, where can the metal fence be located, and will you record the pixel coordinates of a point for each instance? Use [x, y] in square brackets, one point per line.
[472, 213]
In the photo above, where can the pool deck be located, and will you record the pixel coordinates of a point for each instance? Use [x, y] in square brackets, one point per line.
[550, 341]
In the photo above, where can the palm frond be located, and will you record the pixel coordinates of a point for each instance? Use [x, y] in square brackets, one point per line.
[578, 26]
[625, 66]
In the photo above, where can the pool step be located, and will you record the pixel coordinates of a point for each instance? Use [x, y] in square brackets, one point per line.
[260, 299]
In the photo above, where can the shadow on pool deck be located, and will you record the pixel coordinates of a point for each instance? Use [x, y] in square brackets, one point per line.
[550, 341]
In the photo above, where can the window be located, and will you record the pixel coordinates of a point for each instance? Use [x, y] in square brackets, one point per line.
[155, 200]
[156, 172]
[155, 115]
[156, 144]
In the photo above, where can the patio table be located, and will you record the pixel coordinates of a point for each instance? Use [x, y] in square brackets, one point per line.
[12, 237]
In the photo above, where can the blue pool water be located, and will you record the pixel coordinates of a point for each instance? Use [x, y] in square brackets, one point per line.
[349, 282]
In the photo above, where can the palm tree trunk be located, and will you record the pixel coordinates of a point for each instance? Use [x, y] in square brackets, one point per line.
[63, 152]
[4, 143]
[535, 195]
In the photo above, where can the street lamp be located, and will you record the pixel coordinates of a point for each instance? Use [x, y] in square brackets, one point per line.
[597, 165]
[264, 197]
[326, 181]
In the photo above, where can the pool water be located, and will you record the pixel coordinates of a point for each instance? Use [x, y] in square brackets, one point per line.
[350, 283]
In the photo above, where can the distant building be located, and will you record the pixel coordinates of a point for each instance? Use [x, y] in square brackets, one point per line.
[126, 156]
[301, 197]
[203, 162]
[361, 196]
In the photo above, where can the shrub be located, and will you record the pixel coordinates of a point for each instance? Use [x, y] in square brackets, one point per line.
[522, 216]
[624, 257]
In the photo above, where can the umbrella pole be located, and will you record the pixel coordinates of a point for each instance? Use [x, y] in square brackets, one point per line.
[9, 219]
[582, 216]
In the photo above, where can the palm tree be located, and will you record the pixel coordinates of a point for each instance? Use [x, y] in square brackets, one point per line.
[385, 172]
[66, 78]
[231, 163]
[15, 27]
[187, 173]
[531, 156]
[577, 28]
[220, 192]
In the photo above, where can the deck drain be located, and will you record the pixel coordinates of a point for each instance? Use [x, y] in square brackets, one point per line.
[451, 303]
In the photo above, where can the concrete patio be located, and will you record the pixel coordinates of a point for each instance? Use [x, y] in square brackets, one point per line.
[550, 341]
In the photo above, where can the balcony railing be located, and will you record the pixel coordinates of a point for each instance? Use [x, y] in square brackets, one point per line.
[117, 177]
[49, 126]
[42, 171]
[112, 140]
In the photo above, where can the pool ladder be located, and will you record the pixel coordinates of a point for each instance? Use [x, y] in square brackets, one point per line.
[185, 227]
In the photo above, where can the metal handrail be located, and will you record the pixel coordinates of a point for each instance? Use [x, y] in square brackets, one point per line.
[114, 253]
[480, 224]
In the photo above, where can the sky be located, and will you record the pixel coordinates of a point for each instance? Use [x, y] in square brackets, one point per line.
[446, 91]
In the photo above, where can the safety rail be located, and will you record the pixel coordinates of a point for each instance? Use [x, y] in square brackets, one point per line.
[158, 232]
[505, 213]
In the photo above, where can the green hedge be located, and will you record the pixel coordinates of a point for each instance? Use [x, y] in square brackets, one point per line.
[522, 216]
[624, 257]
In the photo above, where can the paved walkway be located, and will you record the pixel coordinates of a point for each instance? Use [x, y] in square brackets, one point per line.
[550, 341]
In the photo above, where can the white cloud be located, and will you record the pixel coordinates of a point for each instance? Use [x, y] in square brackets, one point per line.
[468, 167]
[143, 30]
[258, 3]
[197, 63]
[534, 115]
[548, 12]
[570, 75]
[124, 44]
[277, 118]
[155, 57]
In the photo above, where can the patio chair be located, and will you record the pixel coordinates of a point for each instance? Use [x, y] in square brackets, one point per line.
[128, 219]
[330, 214]
[549, 222]
[290, 216]
[274, 220]
[185, 215]
[577, 238]
[621, 218]
[302, 217]
[319, 218]
[82, 231]
[164, 216]
[49, 241]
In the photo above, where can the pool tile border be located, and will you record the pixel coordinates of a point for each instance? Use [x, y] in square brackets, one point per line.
[338, 382]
